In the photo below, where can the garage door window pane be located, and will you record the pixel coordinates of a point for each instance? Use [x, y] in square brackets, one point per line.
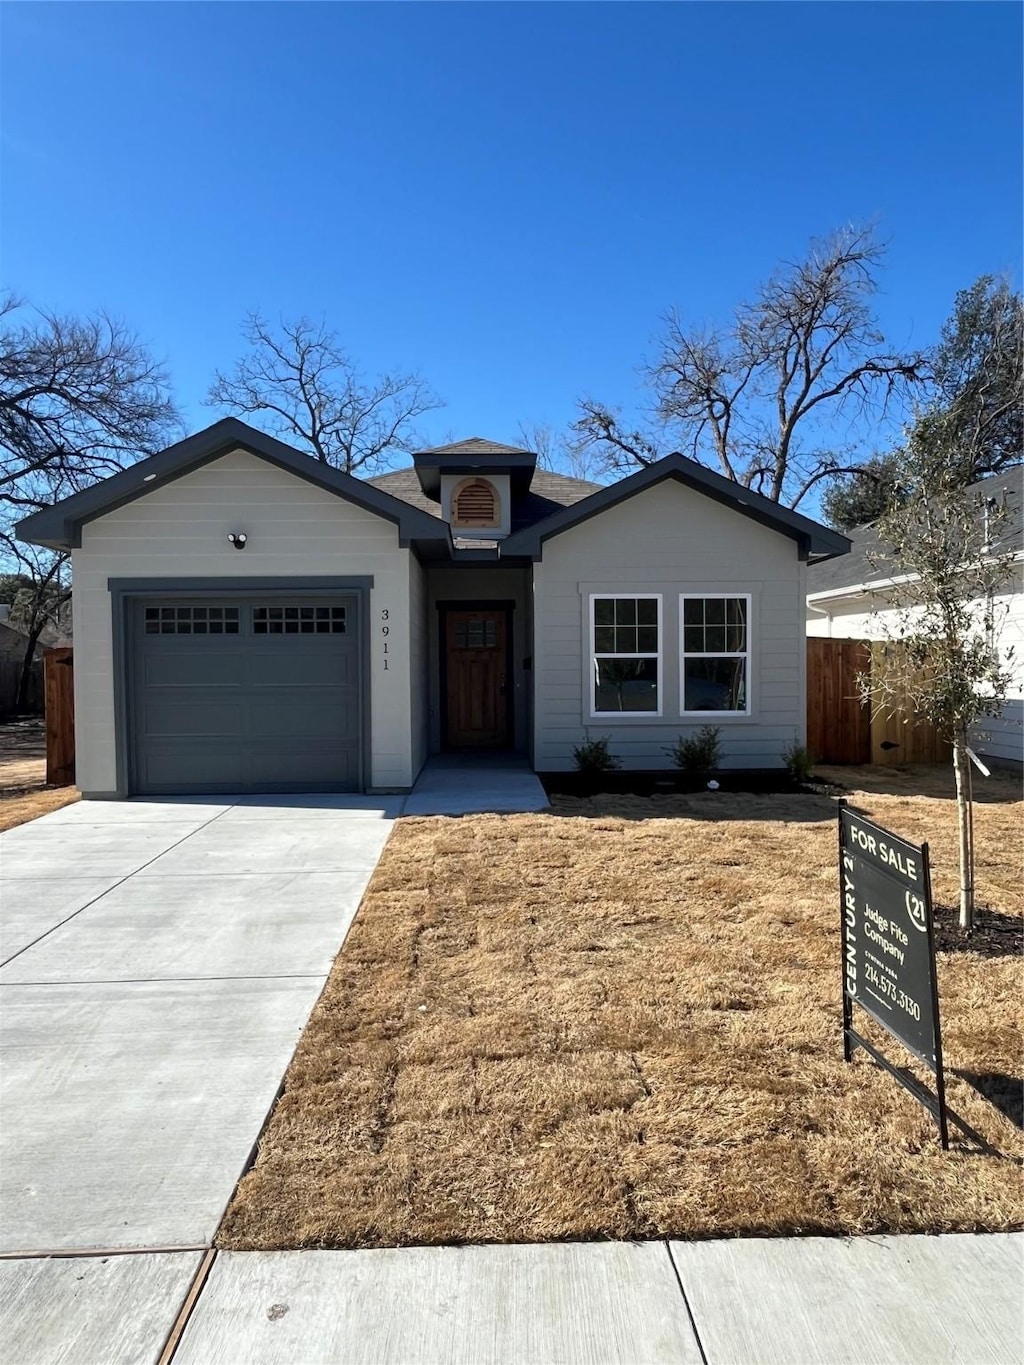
[294, 620]
[191, 620]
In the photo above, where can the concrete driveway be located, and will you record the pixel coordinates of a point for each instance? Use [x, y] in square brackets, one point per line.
[159, 962]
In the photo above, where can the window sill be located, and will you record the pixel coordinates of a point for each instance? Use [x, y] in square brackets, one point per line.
[715, 717]
[613, 717]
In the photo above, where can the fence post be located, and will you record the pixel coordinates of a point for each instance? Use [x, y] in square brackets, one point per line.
[59, 692]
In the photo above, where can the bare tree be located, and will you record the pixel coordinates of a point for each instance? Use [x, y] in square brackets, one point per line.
[947, 556]
[37, 586]
[761, 397]
[560, 452]
[304, 387]
[598, 437]
[80, 398]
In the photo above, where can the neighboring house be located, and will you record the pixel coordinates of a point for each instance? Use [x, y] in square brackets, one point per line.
[13, 640]
[847, 599]
[14, 645]
[247, 617]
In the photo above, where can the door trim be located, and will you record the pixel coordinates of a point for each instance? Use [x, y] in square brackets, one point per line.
[505, 605]
[123, 592]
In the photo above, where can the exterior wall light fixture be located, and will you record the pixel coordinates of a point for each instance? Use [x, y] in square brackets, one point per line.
[238, 539]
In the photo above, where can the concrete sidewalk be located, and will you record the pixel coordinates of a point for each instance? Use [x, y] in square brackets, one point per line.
[813, 1301]
[884, 1301]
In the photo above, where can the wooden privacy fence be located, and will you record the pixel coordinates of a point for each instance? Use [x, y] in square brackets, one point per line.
[841, 729]
[59, 687]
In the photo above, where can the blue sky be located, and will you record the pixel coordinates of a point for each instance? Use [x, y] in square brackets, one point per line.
[506, 197]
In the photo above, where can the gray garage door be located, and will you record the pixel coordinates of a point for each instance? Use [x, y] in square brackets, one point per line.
[243, 694]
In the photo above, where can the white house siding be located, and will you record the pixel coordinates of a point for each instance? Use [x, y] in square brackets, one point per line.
[419, 659]
[865, 617]
[294, 528]
[668, 539]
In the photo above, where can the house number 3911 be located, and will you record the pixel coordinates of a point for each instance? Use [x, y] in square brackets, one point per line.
[385, 630]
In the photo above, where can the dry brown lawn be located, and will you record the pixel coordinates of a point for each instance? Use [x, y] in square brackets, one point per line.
[622, 1019]
[24, 794]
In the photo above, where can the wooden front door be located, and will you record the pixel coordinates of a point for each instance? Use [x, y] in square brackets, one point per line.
[476, 678]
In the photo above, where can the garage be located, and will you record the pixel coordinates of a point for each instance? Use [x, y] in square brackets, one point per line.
[244, 694]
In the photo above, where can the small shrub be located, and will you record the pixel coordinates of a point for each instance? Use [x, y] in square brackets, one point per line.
[592, 757]
[697, 755]
[798, 762]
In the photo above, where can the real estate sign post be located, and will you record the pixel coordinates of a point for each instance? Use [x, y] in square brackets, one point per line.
[889, 950]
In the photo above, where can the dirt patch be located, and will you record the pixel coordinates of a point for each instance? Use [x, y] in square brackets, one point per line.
[622, 1019]
[22, 755]
[24, 794]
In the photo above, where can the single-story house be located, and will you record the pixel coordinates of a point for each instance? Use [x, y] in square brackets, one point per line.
[249, 618]
[848, 598]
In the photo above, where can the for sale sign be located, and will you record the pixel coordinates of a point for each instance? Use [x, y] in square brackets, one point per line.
[888, 946]
[888, 962]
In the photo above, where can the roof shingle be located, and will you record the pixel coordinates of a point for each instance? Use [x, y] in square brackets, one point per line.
[548, 492]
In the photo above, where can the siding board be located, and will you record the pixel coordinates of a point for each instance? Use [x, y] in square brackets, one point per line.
[180, 530]
[670, 540]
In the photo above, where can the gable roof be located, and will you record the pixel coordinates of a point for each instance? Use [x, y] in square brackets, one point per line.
[60, 526]
[856, 569]
[812, 538]
[474, 445]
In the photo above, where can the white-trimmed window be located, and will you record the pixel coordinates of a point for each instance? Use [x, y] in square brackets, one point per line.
[625, 654]
[714, 667]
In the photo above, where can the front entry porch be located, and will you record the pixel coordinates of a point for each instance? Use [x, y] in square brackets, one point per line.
[479, 631]
[474, 783]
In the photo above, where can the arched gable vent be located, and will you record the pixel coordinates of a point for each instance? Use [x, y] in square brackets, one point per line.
[475, 503]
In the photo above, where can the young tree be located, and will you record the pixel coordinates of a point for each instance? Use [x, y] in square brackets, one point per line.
[761, 396]
[947, 556]
[300, 383]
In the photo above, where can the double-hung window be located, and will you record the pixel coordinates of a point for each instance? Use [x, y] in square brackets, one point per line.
[715, 654]
[625, 636]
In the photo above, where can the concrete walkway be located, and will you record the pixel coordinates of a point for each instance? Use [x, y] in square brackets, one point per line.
[474, 784]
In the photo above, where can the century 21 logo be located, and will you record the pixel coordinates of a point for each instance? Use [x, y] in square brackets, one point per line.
[916, 911]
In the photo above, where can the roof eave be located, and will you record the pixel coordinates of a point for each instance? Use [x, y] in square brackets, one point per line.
[60, 527]
[811, 537]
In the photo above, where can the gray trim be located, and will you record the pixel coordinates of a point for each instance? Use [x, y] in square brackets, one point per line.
[811, 537]
[279, 583]
[124, 590]
[60, 526]
[429, 466]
